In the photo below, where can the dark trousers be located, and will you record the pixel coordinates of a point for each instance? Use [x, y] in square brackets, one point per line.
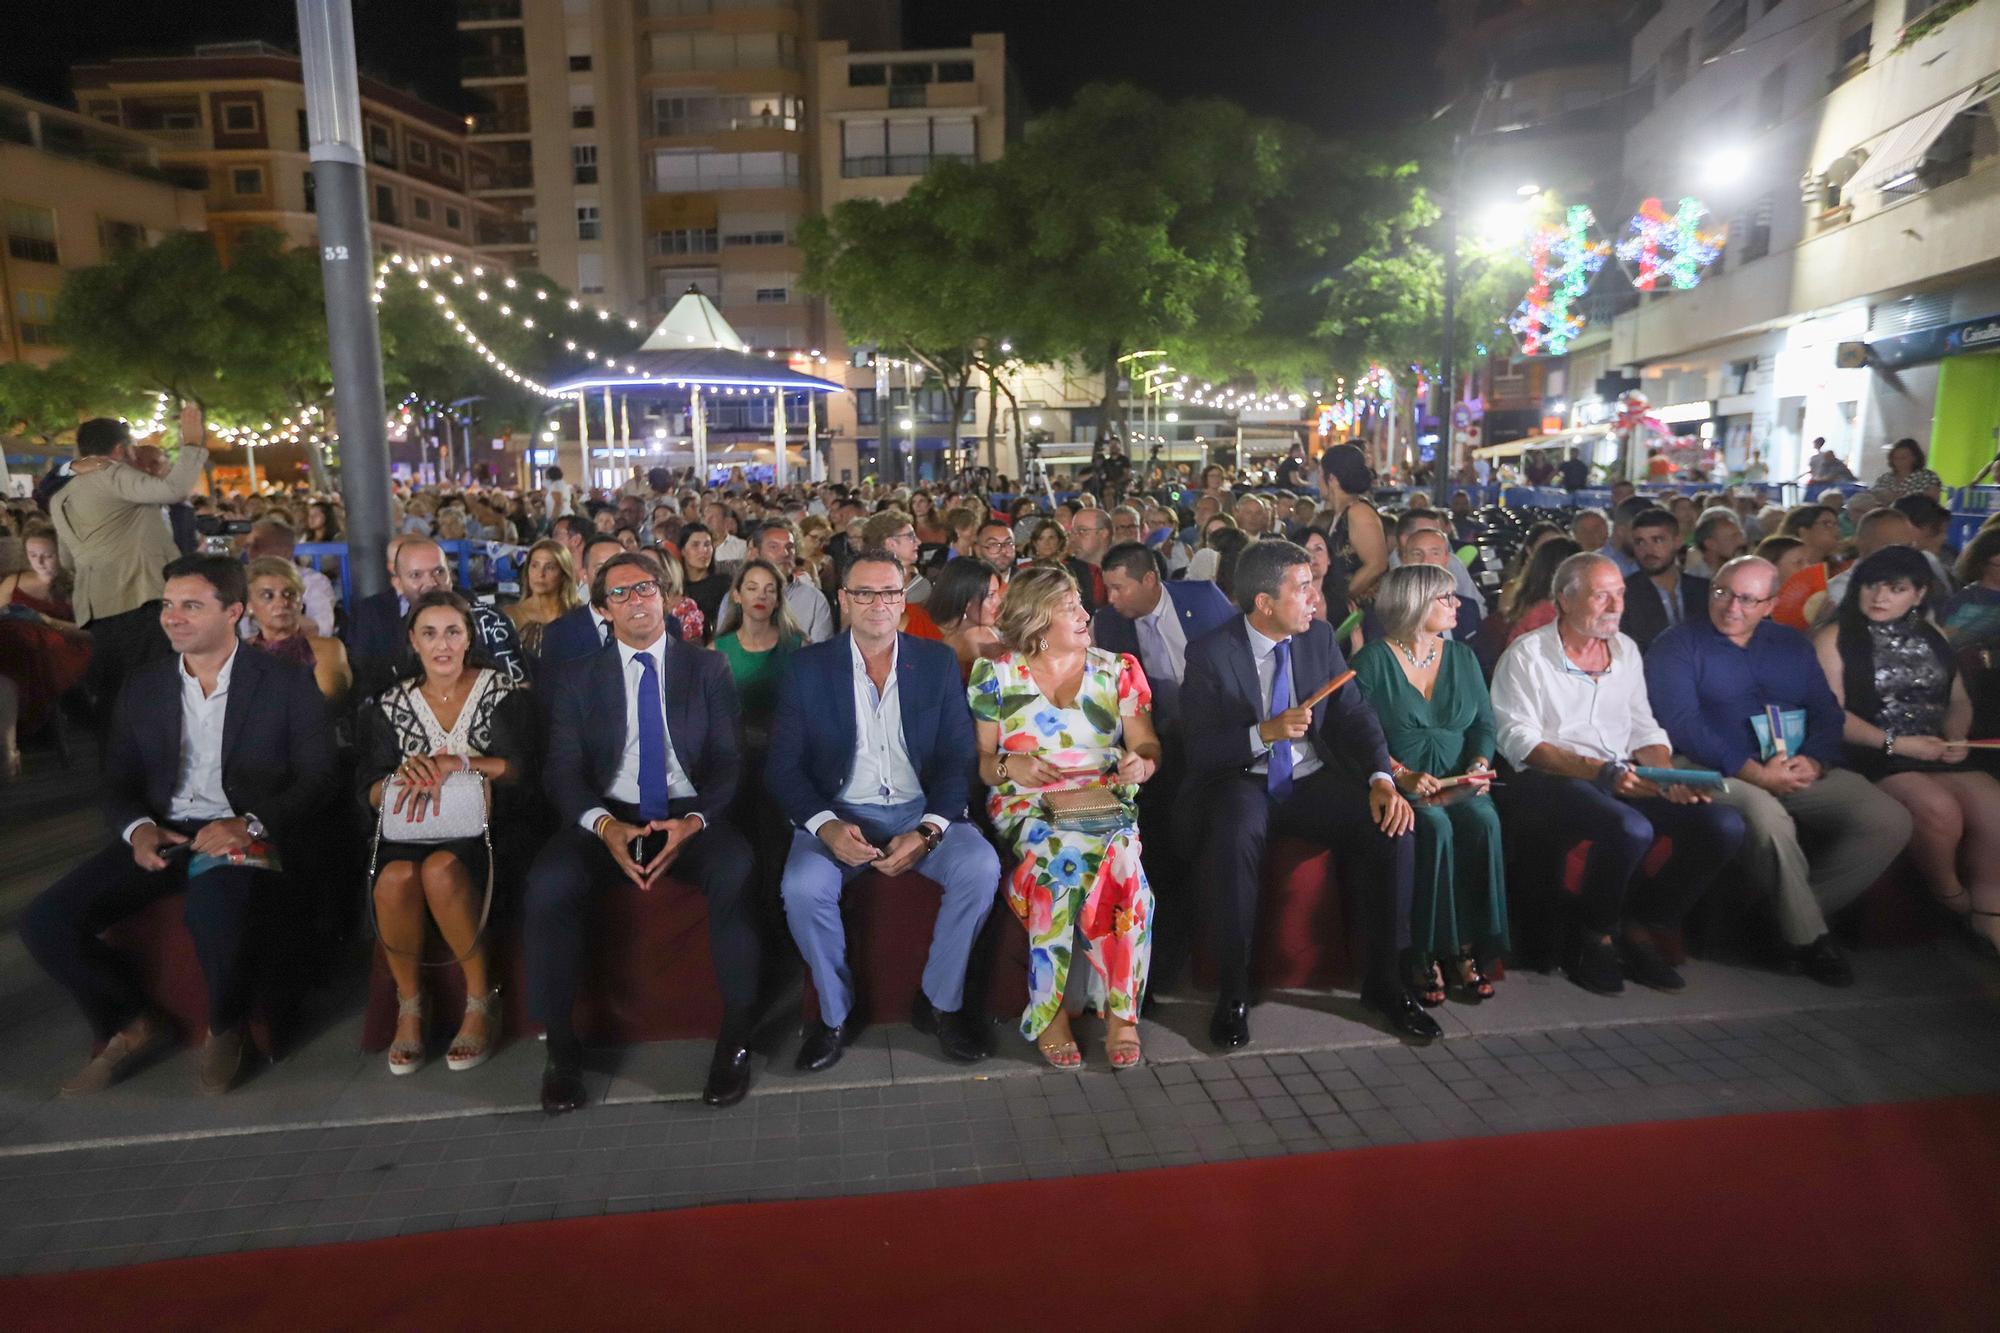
[1557, 813]
[61, 929]
[574, 867]
[1326, 808]
[119, 646]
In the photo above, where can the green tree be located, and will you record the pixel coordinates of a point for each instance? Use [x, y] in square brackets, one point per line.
[42, 404]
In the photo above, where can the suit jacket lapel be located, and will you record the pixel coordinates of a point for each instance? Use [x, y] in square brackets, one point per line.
[847, 727]
[909, 698]
[685, 726]
[1244, 664]
[244, 670]
[607, 712]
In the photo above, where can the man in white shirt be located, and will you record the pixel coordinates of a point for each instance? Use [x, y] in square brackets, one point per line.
[775, 540]
[871, 752]
[218, 759]
[642, 766]
[721, 523]
[1574, 720]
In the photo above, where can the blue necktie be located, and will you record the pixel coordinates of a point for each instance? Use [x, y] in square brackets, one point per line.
[652, 741]
[1279, 779]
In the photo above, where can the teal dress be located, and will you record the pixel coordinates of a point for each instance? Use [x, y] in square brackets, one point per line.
[1460, 891]
[756, 676]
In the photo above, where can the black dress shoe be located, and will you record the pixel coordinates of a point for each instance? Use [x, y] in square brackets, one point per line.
[1406, 1018]
[1826, 962]
[1594, 967]
[728, 1074]
[1230, 1028]
[1644, 964]
[961, 1037]
[823, 1046]
[562, 1087]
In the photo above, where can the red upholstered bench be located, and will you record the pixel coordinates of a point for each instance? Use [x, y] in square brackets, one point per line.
[889, 923]
[1302, 940]
[155, 940]
[648, 975]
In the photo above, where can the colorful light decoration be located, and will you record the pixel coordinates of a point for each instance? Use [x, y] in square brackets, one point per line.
[1565, 260]
[1669, 246]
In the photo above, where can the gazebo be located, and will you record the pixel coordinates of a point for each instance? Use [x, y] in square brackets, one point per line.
[695, 355]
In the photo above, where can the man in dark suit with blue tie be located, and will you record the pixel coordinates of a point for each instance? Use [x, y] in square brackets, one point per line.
[1259, 763]
[871, 754]
[642, 766]
[216, 756]
[1155, 620]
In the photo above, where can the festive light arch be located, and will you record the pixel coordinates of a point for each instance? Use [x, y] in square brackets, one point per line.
[1565, 260]
[1669, 247]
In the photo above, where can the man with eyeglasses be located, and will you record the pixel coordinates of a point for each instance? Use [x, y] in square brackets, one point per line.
[894, 531]
[377, 642]
[642, 766]
[1574, 719]
[1715, 679]
[871, 752]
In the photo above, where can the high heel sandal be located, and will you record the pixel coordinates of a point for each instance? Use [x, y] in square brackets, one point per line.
[1064, 1055]
[407, 1057]
[1426, 980]
[1469, 983]
[465, 1054]
[1125, 1053]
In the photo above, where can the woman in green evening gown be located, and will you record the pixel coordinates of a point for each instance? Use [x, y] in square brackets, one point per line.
[1432, 701]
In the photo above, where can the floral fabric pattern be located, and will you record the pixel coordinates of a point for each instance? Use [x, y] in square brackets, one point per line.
[1065, 879]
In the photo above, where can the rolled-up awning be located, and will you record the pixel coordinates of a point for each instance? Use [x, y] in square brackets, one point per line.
[1901, 154]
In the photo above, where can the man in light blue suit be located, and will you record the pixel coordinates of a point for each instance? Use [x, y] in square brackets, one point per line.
[871, 751]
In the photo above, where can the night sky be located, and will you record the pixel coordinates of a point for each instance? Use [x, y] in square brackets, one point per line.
[1346, 67]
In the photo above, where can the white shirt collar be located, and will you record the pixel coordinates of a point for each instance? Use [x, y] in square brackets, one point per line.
[657, 650]
[1162, 609]
[1261, 645]
[861, 662]
[189, 680]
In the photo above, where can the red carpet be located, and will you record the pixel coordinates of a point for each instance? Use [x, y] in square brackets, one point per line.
[1872, 1217]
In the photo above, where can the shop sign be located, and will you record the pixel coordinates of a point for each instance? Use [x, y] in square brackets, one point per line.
[1909, 349]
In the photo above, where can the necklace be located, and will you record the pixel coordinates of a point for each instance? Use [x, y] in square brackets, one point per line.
[1409, 651]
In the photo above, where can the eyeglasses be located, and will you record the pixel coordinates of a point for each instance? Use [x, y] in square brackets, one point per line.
[1743, 599]
[1449, 599]
[644, 589]
[1007, 545]
[869, 596]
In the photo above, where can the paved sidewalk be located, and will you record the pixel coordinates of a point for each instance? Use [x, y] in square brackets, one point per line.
[90, 1207]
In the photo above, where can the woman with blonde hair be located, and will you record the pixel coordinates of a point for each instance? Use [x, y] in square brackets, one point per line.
[548, 583]
[277, 609]
[1055, 716]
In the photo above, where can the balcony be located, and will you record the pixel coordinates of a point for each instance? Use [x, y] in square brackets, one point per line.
[510, 120]
[506, 66]
[488, 11]
[495, 231]
[513, 176]
[905, 164]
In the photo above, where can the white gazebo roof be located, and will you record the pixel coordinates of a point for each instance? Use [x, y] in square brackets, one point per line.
[694, 323]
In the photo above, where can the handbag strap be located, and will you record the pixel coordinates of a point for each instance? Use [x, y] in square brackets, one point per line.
[485, 906]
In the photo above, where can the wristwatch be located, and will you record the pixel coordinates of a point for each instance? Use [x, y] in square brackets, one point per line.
[254, 827]
[932, 836]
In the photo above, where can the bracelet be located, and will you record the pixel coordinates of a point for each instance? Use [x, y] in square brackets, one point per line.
[1889, 743]
[598, 828]
[1000, 766]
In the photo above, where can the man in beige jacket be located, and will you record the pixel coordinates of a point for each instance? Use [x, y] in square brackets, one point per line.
[113, 535]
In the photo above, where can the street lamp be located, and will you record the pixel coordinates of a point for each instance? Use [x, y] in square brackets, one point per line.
[1517, 214]
[1133, 358]
[908, 427]
[1725, 167]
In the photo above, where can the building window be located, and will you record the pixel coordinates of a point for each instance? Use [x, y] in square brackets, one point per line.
[867, 76]
[689, 169]
[31, 234]
[954, 71]
[672, 51]
[1721, 26]
[583, 163]
[586, 222]
[582, 117]
[905, 147]
[419, 152]
[448, 162]
[239, 117]
[385, 206]
[685, 241]
[246, 180]
[590, 273]
[114, 237]
[420, 208]
[676, 114]
[381, 145]
[1771, 99]
[453, 219]
[1857, 37]
[305, 133]
[1752, 233]
[312, 193]
[772, 296]
[756, 229]
[579, 64]
[1674, 63]
[34, 318]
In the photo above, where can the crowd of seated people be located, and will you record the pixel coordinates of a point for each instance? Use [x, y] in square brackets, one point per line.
[766, 694]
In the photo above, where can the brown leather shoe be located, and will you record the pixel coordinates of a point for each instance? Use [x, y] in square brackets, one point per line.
[221, 1061]
[143, 1035]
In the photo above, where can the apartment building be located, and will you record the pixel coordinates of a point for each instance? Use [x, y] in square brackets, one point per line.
[1853, 153]
[232, 118]
[72, 193]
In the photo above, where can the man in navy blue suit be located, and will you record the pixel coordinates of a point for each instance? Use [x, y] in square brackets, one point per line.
[1259, 763]
[583, 629]
[642, 766]
[1155, 621]
[216, 756]
[871, 752]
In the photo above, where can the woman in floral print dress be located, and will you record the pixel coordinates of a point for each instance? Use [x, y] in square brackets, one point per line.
[1056, 714]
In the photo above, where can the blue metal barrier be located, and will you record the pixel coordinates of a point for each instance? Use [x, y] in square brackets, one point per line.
[477, 561]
